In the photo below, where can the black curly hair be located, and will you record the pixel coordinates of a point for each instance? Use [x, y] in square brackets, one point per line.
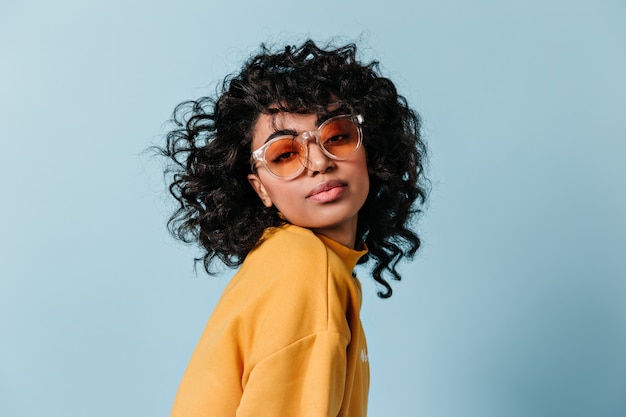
[210, 147]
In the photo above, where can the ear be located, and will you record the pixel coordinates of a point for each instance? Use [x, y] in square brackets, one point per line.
[258, 187]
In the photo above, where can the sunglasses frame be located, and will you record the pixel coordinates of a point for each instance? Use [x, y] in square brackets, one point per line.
[304, 137]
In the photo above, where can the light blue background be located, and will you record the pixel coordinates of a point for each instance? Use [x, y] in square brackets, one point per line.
[515, 307]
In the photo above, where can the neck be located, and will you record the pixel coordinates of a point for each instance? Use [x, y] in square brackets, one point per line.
[346, 234]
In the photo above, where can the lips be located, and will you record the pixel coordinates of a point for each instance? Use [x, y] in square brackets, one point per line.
[327, 191]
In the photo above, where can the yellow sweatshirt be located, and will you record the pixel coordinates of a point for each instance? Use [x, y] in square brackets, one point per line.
[285, 339]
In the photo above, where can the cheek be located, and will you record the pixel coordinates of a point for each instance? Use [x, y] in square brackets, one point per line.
[363, 173]
[365, 186]
[281, 193]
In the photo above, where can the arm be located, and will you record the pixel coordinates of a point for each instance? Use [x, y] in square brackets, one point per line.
[305, 379]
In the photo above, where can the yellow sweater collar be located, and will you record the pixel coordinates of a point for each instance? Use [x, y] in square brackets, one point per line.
[349, 256]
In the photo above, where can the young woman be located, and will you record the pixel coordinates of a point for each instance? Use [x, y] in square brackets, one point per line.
[306, 163]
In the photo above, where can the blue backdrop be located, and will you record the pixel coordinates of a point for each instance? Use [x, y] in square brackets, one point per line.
[516, 305]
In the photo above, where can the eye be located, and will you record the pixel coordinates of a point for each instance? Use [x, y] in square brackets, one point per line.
[283, 151]
[337, 140]
[338, 132]
[339, 136]
[283, 157]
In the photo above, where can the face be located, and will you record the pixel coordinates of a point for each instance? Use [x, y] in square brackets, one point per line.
[327, 196]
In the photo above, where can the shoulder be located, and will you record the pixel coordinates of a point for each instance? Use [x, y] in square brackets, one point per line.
[294, 264]
[288, 238]
[295, 247]
[285, 251]
[288, 287]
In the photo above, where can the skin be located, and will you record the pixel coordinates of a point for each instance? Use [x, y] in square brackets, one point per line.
[327, 196]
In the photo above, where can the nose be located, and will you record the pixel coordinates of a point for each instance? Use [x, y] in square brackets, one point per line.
[317, 161]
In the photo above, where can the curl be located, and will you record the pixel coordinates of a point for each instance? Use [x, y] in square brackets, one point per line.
[209, 150]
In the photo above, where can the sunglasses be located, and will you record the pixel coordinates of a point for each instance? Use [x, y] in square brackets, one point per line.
[287, 156]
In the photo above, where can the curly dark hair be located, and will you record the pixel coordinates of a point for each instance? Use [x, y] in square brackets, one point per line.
[210, 147]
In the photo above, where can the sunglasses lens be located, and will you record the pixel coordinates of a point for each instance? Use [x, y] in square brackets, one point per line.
[340, 137]
[284, 157]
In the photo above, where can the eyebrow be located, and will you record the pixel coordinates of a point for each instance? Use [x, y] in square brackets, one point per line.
[282, 132]
[321, 118]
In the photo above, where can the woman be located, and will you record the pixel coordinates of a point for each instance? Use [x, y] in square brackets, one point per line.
[306, 163]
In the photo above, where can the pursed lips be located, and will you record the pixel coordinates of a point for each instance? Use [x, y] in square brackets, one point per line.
[326, 186]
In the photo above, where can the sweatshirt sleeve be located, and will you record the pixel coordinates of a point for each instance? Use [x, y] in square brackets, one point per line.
[305, 379]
